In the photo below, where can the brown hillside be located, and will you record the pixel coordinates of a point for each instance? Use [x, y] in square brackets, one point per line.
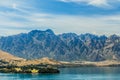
[44, 60]
[8, 57]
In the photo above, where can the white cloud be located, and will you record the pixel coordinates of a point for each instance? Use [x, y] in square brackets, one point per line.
[59, 23]
[14, 5]
[9, 3]
[65, 23]
[97, 3]
[8, 32]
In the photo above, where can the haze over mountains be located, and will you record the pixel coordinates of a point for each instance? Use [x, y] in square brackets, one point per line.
[66, 47]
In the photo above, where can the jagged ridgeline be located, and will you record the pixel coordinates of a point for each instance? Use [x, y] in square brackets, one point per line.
[65, 47]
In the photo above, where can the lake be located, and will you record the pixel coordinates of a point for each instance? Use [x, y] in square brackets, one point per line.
[81, 73]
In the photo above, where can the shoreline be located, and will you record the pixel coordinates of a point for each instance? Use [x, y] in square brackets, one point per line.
[28, 69]
[50, 68]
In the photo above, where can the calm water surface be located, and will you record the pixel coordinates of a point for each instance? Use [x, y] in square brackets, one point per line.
[83, 73]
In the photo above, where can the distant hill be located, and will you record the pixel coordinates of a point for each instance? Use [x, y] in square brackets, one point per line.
[43, 61]
[8, 59]
[64, 47]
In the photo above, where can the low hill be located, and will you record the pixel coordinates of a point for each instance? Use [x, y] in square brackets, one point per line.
[43, 61]
[8, 57]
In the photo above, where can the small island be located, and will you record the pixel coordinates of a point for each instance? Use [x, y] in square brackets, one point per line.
[28, 69]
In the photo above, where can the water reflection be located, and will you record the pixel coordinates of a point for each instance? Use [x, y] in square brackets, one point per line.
[91, 70]
[82, 73]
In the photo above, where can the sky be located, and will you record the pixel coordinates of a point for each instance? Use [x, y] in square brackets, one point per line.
[62, 16]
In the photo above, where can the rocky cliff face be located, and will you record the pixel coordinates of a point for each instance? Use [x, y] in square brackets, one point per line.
[66, 47]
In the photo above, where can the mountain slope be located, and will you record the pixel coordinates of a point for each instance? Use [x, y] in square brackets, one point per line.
[42, 61]
[64, 47]
[8, 59]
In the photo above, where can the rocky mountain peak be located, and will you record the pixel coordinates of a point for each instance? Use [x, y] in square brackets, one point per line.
[49, 31]
[65, 47]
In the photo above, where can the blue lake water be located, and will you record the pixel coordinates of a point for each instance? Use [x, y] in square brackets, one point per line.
[82, 73]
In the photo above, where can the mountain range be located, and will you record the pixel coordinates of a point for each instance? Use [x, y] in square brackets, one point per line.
[64, 47]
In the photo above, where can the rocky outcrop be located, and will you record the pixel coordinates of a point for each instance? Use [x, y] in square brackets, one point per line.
[65, 47]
